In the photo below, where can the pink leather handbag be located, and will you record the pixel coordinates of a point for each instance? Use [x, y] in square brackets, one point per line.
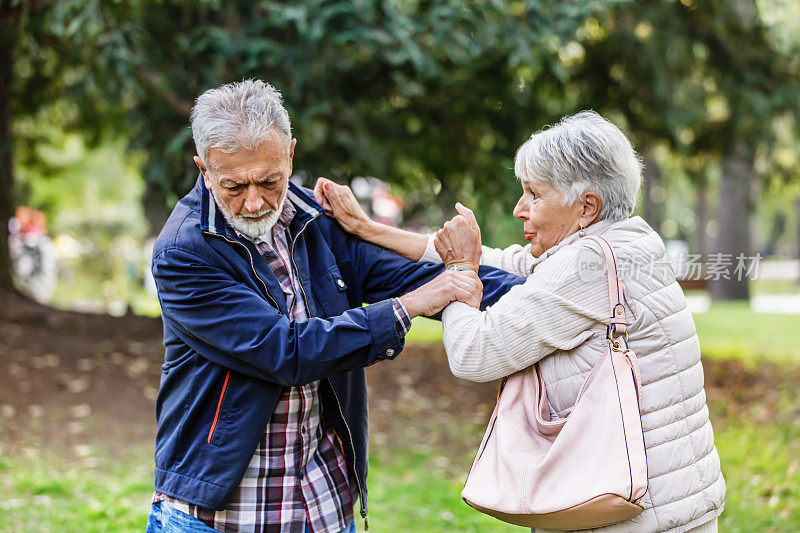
[581, 472]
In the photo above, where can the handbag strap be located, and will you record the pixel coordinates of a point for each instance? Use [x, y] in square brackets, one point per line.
[616, 333]
[616, 322]
[617, 330]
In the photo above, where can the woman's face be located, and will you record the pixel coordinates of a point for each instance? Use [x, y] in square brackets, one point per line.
[545, 219]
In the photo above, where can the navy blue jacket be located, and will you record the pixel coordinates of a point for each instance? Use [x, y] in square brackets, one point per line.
[230, 348]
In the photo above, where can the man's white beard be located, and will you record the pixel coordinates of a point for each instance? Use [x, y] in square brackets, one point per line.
[247, 227]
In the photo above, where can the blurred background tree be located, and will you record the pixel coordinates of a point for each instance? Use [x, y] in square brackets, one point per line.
[704, 80]
[50, 66]
[433, 97]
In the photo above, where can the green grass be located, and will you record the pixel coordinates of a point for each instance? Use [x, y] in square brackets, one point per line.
[771, 286]
[760, 462]
[417, 489]
[46, 493]
[731, 330]
[761, 465]
[410, 490]
[424, 331]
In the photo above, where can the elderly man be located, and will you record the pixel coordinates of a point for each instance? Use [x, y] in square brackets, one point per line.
[262, 409]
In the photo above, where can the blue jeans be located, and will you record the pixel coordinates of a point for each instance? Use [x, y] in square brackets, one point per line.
[167, 519]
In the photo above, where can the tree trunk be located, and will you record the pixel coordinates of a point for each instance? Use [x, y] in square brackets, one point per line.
[702, 217]
[733, 242]
[797, 203]
[775, 233]
[9, 23]
[154, 211]
[653, 194]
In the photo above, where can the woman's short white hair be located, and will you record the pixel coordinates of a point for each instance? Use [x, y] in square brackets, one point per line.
[584, 152]
[238, 115]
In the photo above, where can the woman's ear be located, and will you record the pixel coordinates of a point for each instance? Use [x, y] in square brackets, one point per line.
[592, 205]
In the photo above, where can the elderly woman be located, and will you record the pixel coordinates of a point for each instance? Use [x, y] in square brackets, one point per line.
[580, 177]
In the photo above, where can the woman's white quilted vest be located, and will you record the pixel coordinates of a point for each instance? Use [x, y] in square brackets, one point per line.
[686, 488]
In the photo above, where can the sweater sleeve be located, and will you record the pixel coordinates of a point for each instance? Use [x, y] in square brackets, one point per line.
[557, 308]
[515, 258]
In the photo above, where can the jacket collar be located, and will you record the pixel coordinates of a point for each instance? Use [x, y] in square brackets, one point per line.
[213, 221]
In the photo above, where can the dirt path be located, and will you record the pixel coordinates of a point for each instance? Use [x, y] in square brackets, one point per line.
[71, 381]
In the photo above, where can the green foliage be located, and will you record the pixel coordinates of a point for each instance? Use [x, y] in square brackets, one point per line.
[409, 91]
[432, 96]
[92, 197]
[86, 192]
[698, 75]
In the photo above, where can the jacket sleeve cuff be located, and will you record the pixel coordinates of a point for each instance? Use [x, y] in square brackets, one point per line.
[387, 343]
[403, 321]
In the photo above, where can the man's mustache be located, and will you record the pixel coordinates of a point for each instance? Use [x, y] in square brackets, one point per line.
[259, 214]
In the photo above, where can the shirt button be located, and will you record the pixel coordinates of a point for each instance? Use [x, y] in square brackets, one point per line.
[340, 283]
[389, 352]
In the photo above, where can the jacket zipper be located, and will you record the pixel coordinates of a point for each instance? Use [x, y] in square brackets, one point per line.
[352, 447]
[252, 266]
[362, 504]
[219, 406]
[294, 264]
[336, 396]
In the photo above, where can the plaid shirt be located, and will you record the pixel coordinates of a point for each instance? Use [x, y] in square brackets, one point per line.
[298, 475]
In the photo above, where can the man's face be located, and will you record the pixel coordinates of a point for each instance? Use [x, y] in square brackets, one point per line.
[249, 186]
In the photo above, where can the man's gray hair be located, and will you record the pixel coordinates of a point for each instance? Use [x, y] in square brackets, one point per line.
[584, 152]
[238, 115]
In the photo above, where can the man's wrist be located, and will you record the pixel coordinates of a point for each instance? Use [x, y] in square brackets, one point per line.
[461, 265]
[409, 305]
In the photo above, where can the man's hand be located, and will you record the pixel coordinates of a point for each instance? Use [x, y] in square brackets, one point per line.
[340, 203]
[429, 299]
[459, 241]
